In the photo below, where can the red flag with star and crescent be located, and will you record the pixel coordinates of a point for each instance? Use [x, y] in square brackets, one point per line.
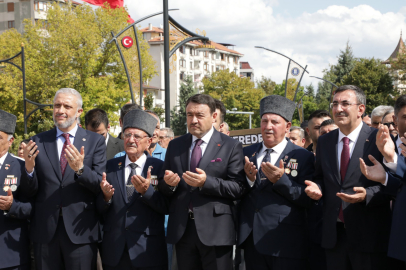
[112, 3]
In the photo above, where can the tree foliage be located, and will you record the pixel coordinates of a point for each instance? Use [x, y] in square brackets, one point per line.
[235, 92]
[267, 85]
[71, 52]
[374, 79]
[345, 64]
[178, 113]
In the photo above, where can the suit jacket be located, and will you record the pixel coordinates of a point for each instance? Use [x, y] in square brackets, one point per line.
[213, 205]
[14, 235]
[114, 146]
[74, 196]
[367, 223]
[276, 213]
[137, 225]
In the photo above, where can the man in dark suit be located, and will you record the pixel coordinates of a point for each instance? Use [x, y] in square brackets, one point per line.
[66, 164]
[357, 214]
[272, 221]
[96, 120]
[14, 208]
[134, 236]
[204, 174]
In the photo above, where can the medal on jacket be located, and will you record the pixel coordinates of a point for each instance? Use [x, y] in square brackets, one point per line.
[292, 164]
[7, 182]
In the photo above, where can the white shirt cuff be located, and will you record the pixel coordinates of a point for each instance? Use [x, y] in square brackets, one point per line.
[391, 165]
[30, 174]
[386, 180]
[251, 183]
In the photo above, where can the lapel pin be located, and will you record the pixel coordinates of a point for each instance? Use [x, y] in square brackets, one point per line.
[84, 139]
[218, 144]
[119, 165]
[367, 140]
[254, 154]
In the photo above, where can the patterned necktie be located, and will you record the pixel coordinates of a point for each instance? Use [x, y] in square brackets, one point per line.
[129, 186]
[196, 156]
[267, 158]
[63, 161]
[345, 160]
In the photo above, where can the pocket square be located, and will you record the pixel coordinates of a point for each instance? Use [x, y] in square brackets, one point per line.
[216, 160]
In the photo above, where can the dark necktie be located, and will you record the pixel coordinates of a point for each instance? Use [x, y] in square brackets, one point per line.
[129, 186]
[196, 156]
[267, 158]
[63, 161]
[345, 160]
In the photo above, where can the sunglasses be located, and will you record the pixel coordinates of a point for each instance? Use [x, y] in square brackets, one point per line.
[389, 124]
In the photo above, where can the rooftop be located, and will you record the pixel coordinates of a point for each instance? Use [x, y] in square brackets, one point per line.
[400, 48]
[245, 65]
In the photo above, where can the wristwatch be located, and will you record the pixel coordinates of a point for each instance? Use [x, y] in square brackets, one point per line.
[80, 171]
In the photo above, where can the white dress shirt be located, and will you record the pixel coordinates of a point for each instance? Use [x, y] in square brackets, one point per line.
[277, 151]
[2, 159]
[398, 143]
[353, 136]
[60, 140]
[107, 138]
[138, 171]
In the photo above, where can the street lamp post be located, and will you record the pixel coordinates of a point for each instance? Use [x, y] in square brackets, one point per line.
[237, 112]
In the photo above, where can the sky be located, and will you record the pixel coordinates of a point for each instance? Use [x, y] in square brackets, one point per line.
[310, 32]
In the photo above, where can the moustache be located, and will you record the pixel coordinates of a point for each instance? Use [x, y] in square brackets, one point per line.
[61, 114]
[341, 114]
[269, 131]
[132, 145]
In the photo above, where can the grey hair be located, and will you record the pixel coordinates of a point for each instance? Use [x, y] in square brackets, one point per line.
[381, 110]
[169, 132]
[9, 137]
[359, 94]
[391, 110]
[70, 91]
[226, 126]
[301, 131]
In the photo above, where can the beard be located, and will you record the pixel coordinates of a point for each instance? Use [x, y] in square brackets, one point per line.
[69, 122]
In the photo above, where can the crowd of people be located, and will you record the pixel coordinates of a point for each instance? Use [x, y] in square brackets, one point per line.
[324, 195]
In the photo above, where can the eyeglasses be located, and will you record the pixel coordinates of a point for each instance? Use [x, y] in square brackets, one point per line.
[389, 124]
[343, 104]
[163, 137]
[136, 137]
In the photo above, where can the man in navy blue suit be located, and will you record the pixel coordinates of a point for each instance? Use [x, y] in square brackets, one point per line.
[66, 165]
[272, 221]
[14, 208]
[357, 214]
[134, 212]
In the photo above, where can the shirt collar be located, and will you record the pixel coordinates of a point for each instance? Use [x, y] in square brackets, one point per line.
[277, 148]
[140, 161]
[72, 132]
[353, 136]
[398, 142]
[206, 138]
[3, 158]
[158, 148]
[107, 138]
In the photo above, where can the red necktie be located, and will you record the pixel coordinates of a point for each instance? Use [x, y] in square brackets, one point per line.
[63, 160]
[345, 160]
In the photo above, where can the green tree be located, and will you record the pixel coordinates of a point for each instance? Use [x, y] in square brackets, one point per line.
[71, 52]
[324, 89]
[310, 90]
[149, 101]
[374, 79]
[346, 63]
[267, 85]
[235, 92]
[178, 114]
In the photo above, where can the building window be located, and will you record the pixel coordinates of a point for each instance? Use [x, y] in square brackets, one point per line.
[40, 6]
[191, 51]
[222, 57]
[217, 68]
[206, 66]
[213, 56]
[10, 7]
[235, 59]
[197, 76]
[182, 76]
[206, 54]
[191, 65]
[182, 49]
[42, 23]
[212, 68]
[11, 24]
[182, 63]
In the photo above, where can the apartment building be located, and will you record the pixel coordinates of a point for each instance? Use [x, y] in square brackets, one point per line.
[246, 71]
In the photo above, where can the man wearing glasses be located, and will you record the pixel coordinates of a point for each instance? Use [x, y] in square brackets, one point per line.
[357, 213]
[165, 136]
[388, 120]
[134, 236]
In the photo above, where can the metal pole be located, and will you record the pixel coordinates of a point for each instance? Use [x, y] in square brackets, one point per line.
[298, 85]
[286, 81]
[250, 121]
[139, 63]
[125, 68]
[24, 90]
[166, 65]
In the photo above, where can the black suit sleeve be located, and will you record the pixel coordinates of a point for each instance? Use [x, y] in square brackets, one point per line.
[234, 186]
[91, 177]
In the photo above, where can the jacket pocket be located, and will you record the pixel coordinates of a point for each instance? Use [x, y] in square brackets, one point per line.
[220, 209]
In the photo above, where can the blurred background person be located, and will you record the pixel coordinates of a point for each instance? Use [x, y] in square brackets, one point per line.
[388, 120]
[377, 114]
[297, 136]
[367, 119]
[315, 119]
[327, 126]
[304, 126]
[165, 136]
[221, 113]
[225, 129]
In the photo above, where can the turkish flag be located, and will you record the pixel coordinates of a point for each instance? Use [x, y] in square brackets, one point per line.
[112, 3]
